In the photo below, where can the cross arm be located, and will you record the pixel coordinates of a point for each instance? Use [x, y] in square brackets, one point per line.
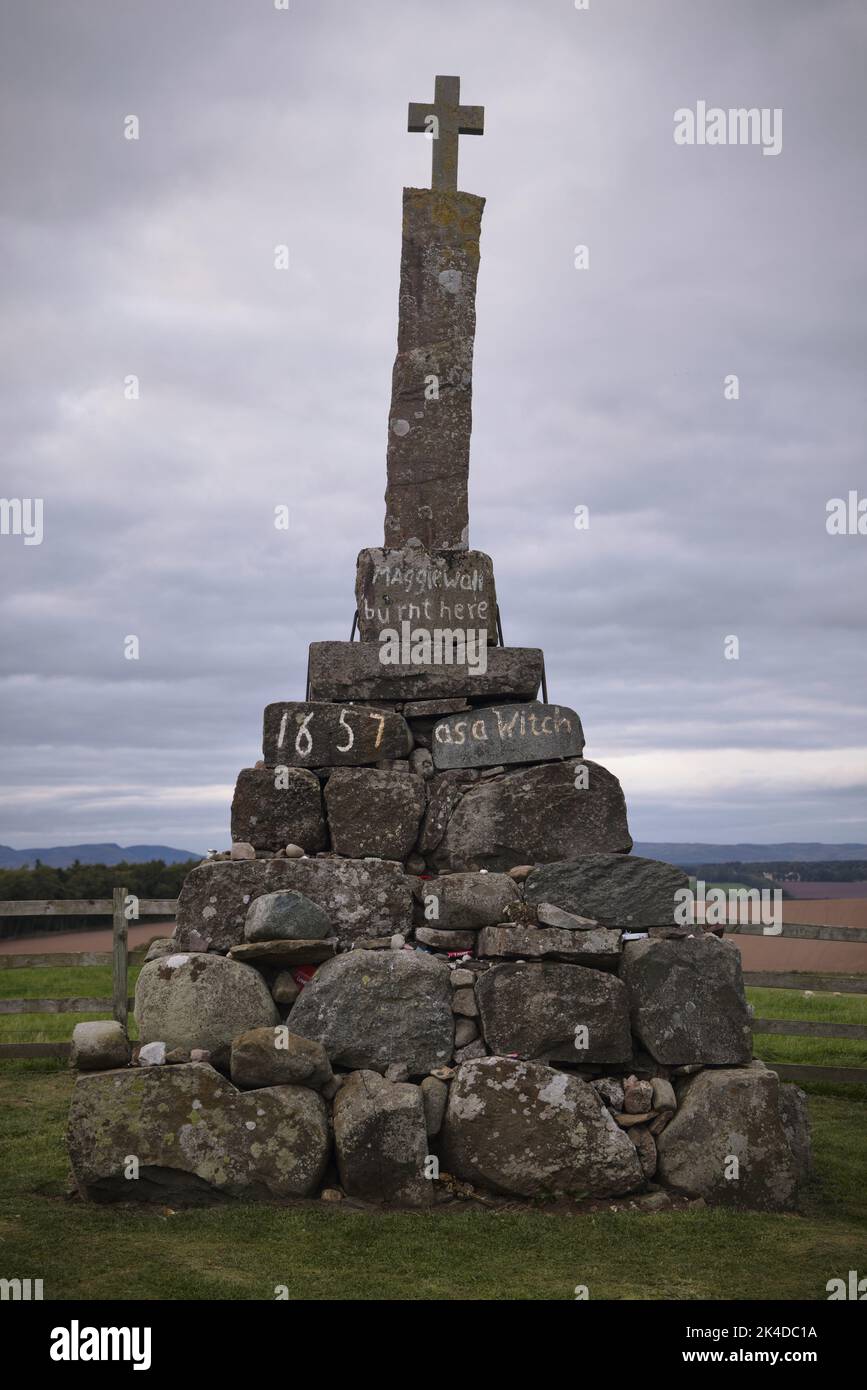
[471, 120]
[418, 114]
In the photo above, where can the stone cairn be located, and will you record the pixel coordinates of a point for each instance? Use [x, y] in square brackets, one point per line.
[429, 968]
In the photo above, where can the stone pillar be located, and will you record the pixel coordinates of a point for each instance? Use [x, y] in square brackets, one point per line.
[430, 420]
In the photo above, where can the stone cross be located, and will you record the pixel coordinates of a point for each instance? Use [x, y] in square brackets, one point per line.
[426, 500]
[445, 119]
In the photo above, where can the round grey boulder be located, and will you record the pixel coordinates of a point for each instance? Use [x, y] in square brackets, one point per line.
[371, 1008]
[286, 916]
[200, 1000]
[522, 1128]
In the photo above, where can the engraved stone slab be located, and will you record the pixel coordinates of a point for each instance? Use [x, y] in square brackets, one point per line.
[446, 589]
[354, 671]
[527, 733]
[320, 734]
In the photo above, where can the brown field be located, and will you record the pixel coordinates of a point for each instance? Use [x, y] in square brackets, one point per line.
[806, 889]
[828, 912]
[757, 952]
[777, 953]
[93, 939]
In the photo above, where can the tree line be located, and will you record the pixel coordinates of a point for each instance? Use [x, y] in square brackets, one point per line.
[154, 879]
[753, 874]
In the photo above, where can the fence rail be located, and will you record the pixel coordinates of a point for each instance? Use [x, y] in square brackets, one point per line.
[84, 907]
[801, 931]
[788, 1071]
[796, 1028]
[120, 1003]
[59, 1006]
[803, 979]
[59, 960]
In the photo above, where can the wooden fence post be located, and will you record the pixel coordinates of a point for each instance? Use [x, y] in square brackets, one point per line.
[120, 954]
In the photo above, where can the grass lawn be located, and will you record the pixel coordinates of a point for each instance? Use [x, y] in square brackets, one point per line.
[819, 1052]
[71, 982]
[242, 1251]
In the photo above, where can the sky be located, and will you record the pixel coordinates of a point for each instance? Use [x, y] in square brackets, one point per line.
[601, 387]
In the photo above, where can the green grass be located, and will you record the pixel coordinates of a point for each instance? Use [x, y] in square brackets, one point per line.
[827, 1008]
[824, 1008]
[46, 982]
[242, 1251]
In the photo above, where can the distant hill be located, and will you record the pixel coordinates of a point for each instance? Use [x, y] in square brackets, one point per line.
[61, 856]
[790, 852]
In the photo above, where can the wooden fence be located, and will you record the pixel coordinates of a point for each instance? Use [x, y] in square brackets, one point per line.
[120, 1003]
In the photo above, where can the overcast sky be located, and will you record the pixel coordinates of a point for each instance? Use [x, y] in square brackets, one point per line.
[601, 387]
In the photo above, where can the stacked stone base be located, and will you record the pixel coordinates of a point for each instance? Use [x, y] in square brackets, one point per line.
[378, 1063]
[429, 965]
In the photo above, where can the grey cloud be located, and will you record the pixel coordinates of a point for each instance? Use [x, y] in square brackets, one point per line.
[260, 387]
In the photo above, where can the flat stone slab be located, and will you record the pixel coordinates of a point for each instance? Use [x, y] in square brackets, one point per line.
[322, 734]
[283, 954]
[598, 947]
[446, 589]
[371, 1008]
[268, 812]
[533, 815]
[550, 916]
[522, 1128]
[446, 940]
[536, 1010]
[526, 733]
[433, 709]
[618, 890]
[687, 1000]
[353, 671]
[360, 898]
[195, 1136]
